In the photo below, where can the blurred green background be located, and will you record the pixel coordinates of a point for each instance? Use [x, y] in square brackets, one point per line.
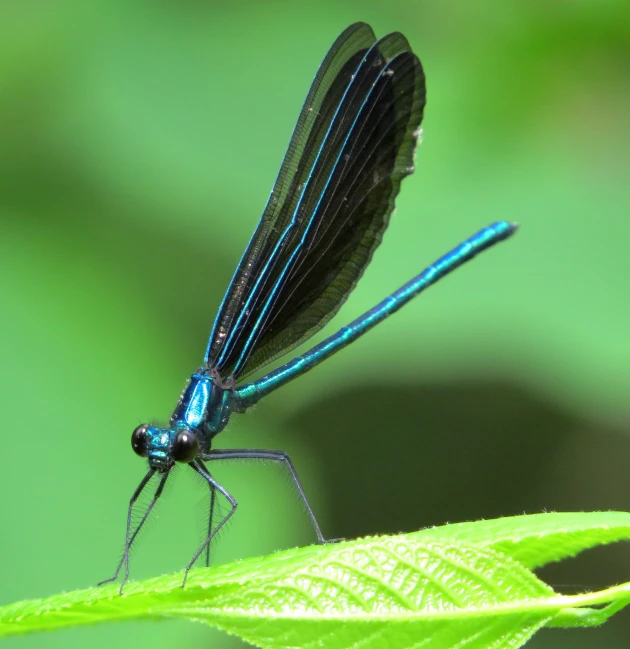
[138, 143]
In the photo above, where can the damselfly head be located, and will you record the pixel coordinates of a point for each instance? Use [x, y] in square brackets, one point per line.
[165, 446]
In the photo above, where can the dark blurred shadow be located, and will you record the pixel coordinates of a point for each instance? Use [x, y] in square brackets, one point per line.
[400, 457]
[403, 456]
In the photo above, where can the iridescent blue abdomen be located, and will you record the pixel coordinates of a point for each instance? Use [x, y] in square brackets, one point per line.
[204, 406]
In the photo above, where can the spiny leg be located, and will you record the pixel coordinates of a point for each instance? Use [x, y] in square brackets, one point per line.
[273, 456]
[213, 500]
[128, 542]
[215, 486]
[158, 493]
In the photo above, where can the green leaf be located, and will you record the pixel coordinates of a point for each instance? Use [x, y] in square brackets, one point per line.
[538, 539]
[447, 586]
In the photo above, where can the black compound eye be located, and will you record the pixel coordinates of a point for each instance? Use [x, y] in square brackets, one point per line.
[185, 446]
[139, 440]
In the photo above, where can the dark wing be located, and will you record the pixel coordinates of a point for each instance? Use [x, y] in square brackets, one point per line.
[359, 149]
[255, 263]
[355, 210]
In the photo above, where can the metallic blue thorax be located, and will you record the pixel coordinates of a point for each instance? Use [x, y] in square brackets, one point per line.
[204, 406]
